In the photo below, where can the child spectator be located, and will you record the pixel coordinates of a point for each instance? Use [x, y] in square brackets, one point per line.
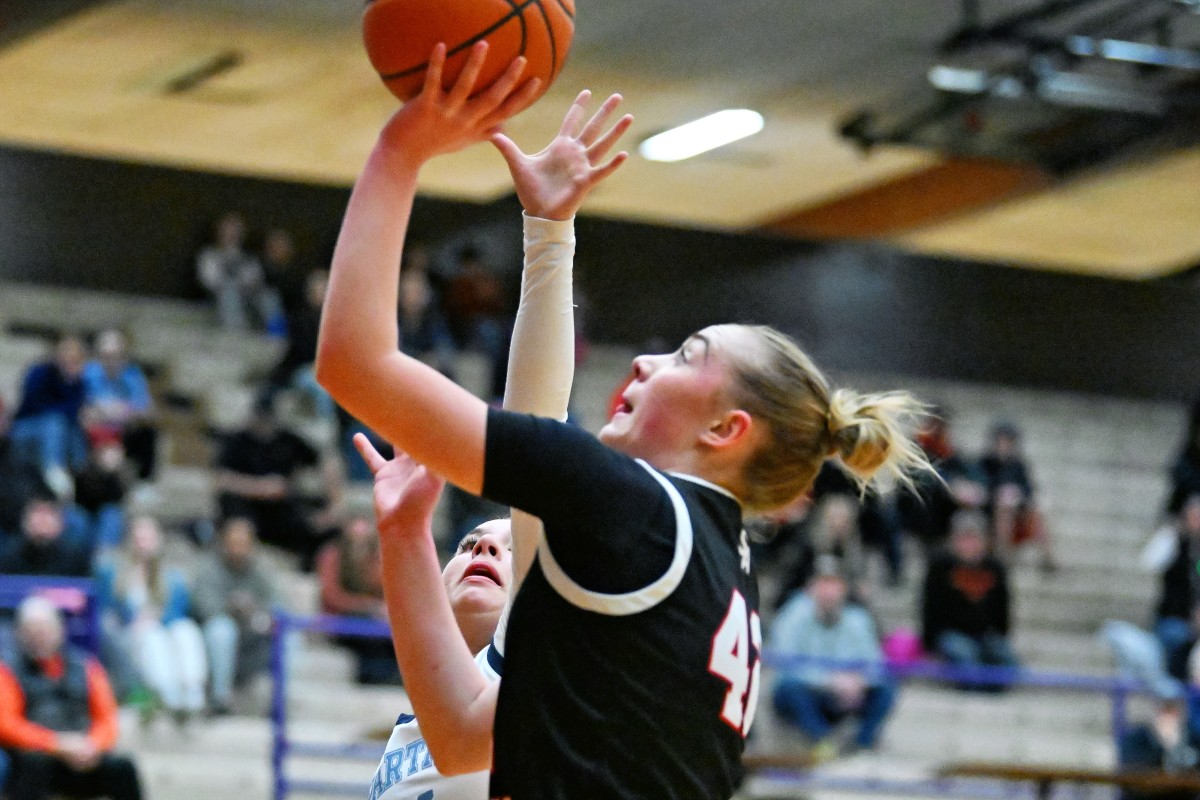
[233, 594]
[58, 716]
[819, 624]
[117, 402]
[965, 603]
[152, 603]
[351, 577]
[46, 428]
[1011, 503]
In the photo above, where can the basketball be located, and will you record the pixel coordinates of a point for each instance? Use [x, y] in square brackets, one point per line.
[400, 34]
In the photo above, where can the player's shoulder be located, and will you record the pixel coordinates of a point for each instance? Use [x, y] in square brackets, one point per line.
[490, 662]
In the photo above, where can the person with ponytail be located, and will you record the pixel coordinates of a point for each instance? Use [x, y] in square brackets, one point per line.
[631, 666]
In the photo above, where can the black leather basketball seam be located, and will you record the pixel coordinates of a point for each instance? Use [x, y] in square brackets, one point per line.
[561, 5]
[507, 18]
[550, 34]
[520, 12]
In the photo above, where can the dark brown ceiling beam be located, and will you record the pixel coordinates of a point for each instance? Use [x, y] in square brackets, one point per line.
[952, 188]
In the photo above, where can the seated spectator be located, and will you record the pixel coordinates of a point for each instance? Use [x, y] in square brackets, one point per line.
[351, 576]
[1185, 471]
[296, 367]
[818, 624]
[1011, 503]
[100, 490]
[831, 530]
[255, 471]
[233, 594]
[58, 717]
[958, 485]
[20, 481]
[424, 334]
[42, 548]
[152, 603]
[117, 402]
[235, 279]
[1165, 744]
[876, 520]
[282, 271]
[475, 309]
[45, 428]
[965, 603]
[1175, 553]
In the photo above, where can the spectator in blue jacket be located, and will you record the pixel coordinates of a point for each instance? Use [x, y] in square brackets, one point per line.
[816, 697]
[117, 402]
[46, 428]
[152, 602]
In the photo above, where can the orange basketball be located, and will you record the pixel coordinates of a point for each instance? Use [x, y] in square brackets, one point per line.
[400, 35]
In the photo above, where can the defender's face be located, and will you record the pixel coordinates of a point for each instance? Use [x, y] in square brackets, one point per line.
[477, 579]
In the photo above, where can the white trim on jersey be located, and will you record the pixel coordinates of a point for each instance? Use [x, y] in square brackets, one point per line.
[707, 484]
[635, 602]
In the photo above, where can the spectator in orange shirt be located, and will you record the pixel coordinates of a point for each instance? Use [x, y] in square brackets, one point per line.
[58, 717]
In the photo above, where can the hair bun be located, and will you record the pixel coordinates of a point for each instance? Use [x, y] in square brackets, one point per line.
[867, 433]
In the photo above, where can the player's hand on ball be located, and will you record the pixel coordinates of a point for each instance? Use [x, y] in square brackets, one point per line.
[438, 121]
[553, 184]
[405, 491]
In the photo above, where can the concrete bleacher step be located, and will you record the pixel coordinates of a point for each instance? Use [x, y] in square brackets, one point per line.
[325, 701]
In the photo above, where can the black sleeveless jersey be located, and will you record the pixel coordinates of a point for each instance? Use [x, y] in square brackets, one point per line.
[631, 663]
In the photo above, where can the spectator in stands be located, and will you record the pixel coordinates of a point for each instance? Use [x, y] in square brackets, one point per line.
[831, 529]
[255, 471]
[58, 717]
[1185, 472]
[152, 602]
[20, 481]
[965, 603]
[235, 278]
[1177, 557]
[877, 524]
[424, 333]
[100, 490]
[1011, 502]
[959, 484]
[1165, 744]
[351, 577]
[117, 402]
[233, 594]
[819, 624]
[296, 367]
[475, 309]
[46, 428]
[42, 548]
[283, 272]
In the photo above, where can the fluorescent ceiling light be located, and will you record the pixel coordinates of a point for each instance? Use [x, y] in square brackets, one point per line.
[700, 136]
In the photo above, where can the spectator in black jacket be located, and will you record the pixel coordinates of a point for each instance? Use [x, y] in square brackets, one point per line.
[1180, 582]
[965, 605]
[295, 369]
[42, 550]
[958, 485]
[1010, 500]
[1185, 472]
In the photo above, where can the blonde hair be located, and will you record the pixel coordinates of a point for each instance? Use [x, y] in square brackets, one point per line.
[809, 423]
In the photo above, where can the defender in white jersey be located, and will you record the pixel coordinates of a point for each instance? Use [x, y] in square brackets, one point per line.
[491, 561]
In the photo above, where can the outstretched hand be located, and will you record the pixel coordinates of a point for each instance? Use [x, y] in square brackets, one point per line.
[438, 121]
[405, 492]
[553, 184]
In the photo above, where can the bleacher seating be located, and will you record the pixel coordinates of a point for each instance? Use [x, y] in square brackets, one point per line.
[1099, 464]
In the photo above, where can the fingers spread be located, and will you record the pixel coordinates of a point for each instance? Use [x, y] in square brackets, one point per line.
[599, 120]
[574, 118]
[516, 101]
[600, 173]
[600, 148]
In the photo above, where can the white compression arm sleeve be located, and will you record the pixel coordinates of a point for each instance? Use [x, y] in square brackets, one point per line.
[541, 363]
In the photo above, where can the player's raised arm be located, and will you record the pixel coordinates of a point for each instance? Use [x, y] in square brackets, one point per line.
[551, 184]
[358, 358]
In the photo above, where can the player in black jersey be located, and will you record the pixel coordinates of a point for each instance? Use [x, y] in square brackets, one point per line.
[632, 661]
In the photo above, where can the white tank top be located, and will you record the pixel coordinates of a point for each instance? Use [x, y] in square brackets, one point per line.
[407, 772]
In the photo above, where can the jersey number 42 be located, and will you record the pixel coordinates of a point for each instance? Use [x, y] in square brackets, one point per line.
[735, 660]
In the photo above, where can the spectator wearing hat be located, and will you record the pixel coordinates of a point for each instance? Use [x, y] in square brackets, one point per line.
[58, 716]
[965, 602]
[815, 697]
[1010, 497]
